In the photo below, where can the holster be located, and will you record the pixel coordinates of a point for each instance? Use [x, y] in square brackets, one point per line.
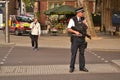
[71, 38]
[85, 44]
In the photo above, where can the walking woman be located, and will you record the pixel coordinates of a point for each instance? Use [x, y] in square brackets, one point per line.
[35, 33]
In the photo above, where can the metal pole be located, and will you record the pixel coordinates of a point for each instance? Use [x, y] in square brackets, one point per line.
[7, 35]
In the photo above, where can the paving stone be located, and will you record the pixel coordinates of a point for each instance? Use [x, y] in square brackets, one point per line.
[54, 69]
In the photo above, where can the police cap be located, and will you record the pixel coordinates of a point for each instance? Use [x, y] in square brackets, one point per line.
[81, 9]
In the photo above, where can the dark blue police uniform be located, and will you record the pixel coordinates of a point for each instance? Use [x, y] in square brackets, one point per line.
[78, 43]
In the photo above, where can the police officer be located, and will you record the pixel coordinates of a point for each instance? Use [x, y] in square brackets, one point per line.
[77, 40]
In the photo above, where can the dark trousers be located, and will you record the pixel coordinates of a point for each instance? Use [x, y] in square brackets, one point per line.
[34, 41]
[77, 43]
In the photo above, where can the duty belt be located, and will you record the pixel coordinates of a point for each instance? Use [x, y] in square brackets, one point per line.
[76, 35]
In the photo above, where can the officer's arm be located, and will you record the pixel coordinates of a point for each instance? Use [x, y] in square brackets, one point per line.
[73, 31]
[69, 28]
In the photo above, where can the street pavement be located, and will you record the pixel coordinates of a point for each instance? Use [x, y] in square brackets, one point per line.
[22, 63]
[63, 41]
[51, 61]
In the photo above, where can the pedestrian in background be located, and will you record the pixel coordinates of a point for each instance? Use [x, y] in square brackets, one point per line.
[78, 34]
[35, 33]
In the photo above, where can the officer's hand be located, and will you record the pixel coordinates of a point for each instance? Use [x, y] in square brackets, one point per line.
[77, 33]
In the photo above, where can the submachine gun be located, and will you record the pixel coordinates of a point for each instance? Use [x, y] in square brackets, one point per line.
[82, 28]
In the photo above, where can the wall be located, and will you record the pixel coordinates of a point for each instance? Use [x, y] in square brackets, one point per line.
[12, 7]
[43, 7]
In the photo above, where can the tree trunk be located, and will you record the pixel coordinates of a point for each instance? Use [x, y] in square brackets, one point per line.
[106, 15]
[89, 18]
[80, 3]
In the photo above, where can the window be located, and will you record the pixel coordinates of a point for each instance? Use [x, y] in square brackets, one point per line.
[54, 4]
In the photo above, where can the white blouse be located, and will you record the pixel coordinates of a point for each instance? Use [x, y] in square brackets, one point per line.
[35, 28]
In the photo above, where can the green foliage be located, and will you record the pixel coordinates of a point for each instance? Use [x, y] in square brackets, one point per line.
[37, 14]
[29, 3]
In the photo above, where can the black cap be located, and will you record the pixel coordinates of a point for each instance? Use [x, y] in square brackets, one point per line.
[81, 9]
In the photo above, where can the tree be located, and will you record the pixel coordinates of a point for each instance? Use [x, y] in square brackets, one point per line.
[89, 18]
[106, 15]
[29, 4]
[85, 4]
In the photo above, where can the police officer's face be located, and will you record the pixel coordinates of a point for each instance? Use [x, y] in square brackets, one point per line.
[80, 14]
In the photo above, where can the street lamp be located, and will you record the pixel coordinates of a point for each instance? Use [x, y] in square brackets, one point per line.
[7, 38]
[7, 35]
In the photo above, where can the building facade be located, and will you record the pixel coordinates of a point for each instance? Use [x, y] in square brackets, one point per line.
[15, 7]
[48, 4]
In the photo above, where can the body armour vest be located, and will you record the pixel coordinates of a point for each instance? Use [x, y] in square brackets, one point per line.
[80, 26]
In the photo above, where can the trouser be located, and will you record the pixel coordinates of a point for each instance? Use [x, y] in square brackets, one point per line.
[77, 43]
[34, 41]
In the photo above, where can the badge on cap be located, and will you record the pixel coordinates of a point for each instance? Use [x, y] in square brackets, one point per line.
[80, 9]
